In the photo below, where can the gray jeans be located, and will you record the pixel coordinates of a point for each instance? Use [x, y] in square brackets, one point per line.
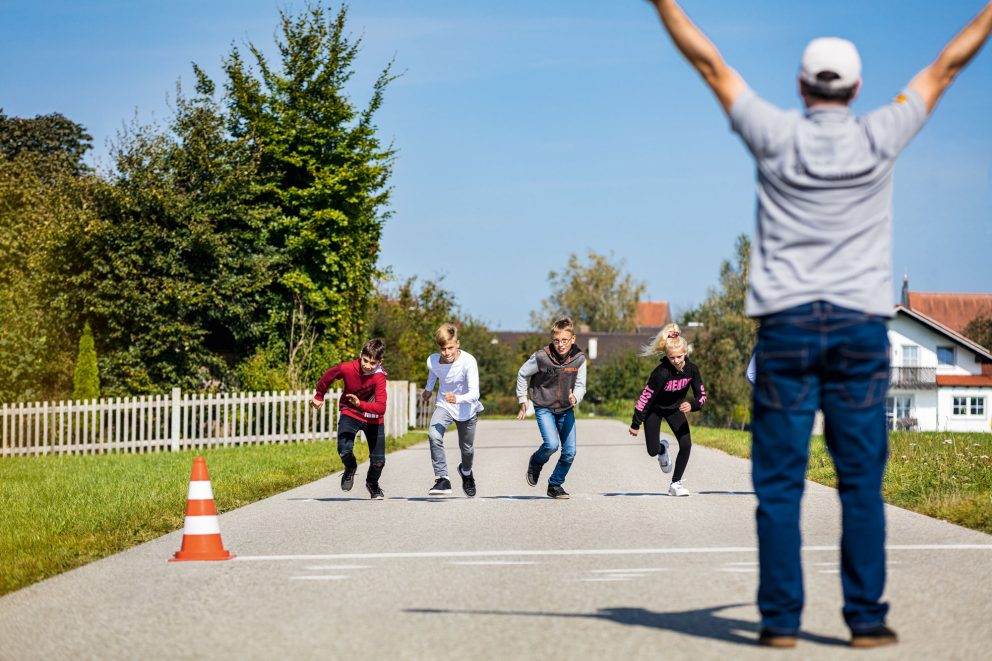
[440, 422]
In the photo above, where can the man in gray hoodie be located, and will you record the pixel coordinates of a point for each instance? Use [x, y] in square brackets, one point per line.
[821, 286]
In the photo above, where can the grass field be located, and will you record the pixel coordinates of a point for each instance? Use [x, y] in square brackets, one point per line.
[945, 475]
[63, 512]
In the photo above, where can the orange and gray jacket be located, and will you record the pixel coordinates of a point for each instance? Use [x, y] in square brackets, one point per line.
[549, 378]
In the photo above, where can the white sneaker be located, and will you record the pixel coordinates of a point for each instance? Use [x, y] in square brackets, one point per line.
[677, 489]
[665, 458]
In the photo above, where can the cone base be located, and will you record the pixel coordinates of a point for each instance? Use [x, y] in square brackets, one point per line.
[184, 556]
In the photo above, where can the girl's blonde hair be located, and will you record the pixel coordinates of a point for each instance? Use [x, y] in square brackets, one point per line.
[445, 333]
[657, 344]
[676, 343]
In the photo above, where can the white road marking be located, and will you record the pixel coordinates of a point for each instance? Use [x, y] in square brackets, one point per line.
[337, 567]
[624, 571]
[602, 580]
[829, 571]
[318, 578]
[589, 552]
[624, 575]
[493, 562]
[753, 563]
[739, 570]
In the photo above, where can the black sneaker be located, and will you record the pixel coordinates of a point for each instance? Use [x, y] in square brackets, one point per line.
[533, 474]
[874, 637]
[468, 482]
[441, 488]
[555, 491]
[347, 480]
[374, 491]
[769, 638]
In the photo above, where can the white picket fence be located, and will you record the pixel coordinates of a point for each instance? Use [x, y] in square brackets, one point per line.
[182, 421]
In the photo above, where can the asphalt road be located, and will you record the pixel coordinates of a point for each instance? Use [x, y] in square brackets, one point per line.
[619, 571]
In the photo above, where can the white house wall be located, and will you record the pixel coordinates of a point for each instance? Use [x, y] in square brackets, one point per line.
[906, 331]
[948, 422]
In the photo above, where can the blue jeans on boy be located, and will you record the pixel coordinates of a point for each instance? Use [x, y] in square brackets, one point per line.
[822, 356]
[555, 426]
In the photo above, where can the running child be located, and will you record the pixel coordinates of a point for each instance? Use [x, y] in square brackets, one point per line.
[664, 397]
[555, 379]
[362, 406]
[457, 401]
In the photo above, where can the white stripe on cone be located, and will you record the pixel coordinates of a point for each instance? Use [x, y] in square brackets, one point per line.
[200, 490]
[201, 525]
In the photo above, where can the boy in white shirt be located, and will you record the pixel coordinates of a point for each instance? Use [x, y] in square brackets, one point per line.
[457, 401]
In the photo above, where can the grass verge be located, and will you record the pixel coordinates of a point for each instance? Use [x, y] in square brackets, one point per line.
[945, 475]
[63, 512]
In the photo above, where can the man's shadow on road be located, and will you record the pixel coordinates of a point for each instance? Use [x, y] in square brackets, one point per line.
[701, 623]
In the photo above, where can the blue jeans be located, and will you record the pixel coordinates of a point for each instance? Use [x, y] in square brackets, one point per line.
[555, 426]
[823, 356]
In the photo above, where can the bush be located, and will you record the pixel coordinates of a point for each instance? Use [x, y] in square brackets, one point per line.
[86, 380]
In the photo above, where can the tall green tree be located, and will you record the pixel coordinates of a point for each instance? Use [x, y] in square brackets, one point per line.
[722, 347]
[322, 166]
[44, 199]
[175, 273]
[86, 379]
[597, 293]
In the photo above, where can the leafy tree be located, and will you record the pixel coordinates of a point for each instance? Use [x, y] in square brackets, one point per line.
[597, 294]
[322, 166]
[179, 223]
[44, 195]
[979, 330]
[86, 380]
[723, 345]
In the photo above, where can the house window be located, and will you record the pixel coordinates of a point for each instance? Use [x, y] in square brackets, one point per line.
[945, 355]
[968, 406]
[899, 412]
[910, 355]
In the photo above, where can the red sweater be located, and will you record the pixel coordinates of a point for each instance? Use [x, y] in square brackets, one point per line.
[369, 388]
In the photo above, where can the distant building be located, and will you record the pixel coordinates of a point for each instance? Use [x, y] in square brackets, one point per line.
[951, 310]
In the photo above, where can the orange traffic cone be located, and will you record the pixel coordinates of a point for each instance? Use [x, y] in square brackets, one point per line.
[201, 532]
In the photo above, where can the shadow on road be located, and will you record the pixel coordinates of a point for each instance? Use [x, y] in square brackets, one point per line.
[702, 623]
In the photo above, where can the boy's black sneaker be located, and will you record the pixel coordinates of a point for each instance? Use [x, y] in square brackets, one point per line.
[874, 637]
[555, 491]
[375, 491]
[769, 638]
[468, 482]
[533, 474]
[442, 487]
[347, 480]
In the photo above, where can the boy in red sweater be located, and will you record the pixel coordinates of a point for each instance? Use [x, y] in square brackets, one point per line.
[362, 406]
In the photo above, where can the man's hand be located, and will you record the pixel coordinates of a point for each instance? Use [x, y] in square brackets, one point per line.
[315, 403]
[351, 400]
[426, 394]
[449, 397]
[685, 407]
[522, 413]
[632, 431]
[571, 398]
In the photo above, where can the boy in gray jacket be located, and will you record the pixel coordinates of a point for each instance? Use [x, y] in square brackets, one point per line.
[555, 380]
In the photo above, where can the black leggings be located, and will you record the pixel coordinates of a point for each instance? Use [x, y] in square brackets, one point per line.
[680, 427]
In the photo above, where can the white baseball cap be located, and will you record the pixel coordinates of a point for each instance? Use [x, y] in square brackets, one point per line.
[830, 55]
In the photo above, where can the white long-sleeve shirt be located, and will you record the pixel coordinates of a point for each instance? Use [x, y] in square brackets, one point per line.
[461, 378]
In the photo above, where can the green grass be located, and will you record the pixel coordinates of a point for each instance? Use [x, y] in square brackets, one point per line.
[950, 481]
[63, 512]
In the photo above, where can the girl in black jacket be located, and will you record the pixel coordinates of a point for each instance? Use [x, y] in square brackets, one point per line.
[664, 396]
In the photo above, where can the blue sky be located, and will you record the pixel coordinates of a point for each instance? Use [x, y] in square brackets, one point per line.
[531, 129]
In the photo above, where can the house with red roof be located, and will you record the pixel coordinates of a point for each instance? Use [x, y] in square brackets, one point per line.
[940, 380]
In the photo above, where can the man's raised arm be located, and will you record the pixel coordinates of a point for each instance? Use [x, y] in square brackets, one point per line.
[933, 81]
[700, 52]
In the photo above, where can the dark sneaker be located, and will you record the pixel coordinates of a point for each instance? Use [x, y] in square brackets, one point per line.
[468, 482]
[347, 480]
[533, 474]
[555, 491]
[375, 491]
[441, 488]
[769, 638]
[874, 637]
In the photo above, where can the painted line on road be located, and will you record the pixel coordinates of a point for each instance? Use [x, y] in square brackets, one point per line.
[337, 567]
[587, 552]
[626, 570]
[318, 578]
[486, 563]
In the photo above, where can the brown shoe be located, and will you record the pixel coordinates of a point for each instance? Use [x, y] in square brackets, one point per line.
[874, 637]
[769, 638]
